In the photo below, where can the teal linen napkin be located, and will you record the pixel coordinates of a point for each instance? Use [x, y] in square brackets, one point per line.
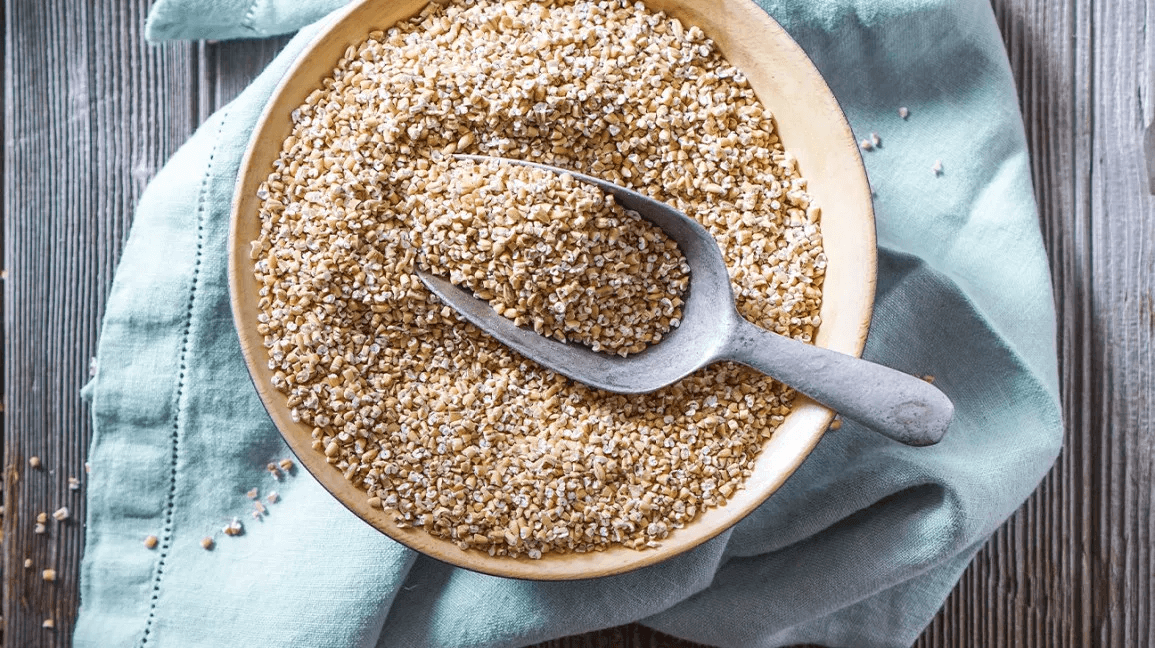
[859, 548]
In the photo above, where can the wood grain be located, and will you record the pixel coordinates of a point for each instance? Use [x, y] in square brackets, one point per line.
[1122, 233]
[91, 113]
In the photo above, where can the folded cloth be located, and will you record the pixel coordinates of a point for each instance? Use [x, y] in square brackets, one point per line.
[859, 548]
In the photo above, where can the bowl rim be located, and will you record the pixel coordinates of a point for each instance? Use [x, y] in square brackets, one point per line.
[805, 425]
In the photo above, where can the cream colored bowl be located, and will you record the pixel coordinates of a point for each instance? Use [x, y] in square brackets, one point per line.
[811, 126]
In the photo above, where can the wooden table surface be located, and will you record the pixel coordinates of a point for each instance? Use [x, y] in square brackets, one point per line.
[92, 112]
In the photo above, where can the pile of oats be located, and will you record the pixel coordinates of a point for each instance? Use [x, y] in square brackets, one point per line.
[441, 426]
[552, 253]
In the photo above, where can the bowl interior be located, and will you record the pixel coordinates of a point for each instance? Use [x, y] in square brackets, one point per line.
[812, 127]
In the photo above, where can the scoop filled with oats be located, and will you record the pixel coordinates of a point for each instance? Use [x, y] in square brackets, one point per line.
[552, 253]
[900, 406]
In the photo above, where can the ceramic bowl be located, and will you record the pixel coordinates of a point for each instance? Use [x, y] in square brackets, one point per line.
[811, 126]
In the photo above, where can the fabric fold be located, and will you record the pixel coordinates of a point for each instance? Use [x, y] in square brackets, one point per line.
[170, 20]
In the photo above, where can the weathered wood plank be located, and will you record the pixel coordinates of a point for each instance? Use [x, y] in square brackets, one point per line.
[1123, 307]
[90, 114]
[231, 65]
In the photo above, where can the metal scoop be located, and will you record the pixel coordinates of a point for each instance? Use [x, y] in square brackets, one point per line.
[901, 407]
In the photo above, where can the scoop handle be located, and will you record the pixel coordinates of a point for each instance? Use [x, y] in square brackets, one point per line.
[894, 404]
